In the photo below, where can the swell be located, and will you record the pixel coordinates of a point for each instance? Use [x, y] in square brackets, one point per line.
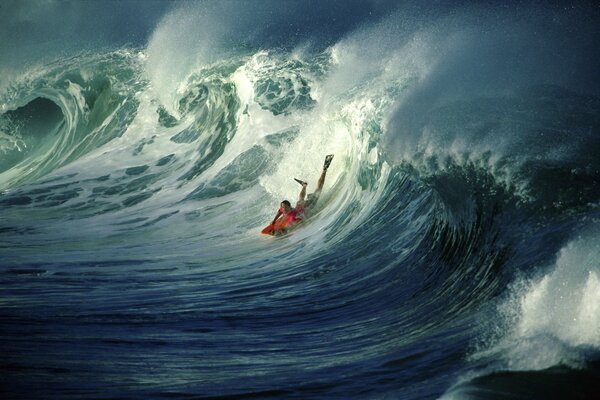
[471, 226]
[209, 166]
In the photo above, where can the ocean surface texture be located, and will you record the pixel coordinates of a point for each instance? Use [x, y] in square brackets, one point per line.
[454, 252]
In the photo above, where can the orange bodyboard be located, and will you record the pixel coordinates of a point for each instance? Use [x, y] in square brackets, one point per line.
[278, 227]
[268, 230]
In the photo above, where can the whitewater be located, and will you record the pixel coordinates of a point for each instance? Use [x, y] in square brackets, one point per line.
[454, 252]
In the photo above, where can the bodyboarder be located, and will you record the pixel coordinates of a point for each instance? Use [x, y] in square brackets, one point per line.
[287, 216]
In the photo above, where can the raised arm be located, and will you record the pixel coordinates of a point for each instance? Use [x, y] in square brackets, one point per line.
[277, 216]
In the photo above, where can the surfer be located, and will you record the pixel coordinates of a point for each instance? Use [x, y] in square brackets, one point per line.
[288, 216]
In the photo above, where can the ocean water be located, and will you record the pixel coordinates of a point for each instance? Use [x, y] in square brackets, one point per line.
[454, 253]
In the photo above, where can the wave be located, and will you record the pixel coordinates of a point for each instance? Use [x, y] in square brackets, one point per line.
[64, 110]
[434, 262]
[547, 331]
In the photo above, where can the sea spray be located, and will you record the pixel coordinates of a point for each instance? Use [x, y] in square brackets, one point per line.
[553, 319]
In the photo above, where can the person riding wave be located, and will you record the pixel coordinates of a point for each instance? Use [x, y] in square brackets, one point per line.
[286, 215]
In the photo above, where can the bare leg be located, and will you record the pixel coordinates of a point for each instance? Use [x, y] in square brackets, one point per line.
[325, 166]
[302, 192]
[321, 181]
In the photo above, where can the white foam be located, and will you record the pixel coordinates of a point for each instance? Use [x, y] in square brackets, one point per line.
[553, 319]
[566, 302]
[184, 40]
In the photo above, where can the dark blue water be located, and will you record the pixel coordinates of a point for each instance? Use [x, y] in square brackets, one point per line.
[453, 254]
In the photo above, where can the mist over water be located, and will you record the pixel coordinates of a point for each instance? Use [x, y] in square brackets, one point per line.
[144, 145]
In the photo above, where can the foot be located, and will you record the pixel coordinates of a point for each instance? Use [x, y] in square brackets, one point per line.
[301, 182]
[327, 161]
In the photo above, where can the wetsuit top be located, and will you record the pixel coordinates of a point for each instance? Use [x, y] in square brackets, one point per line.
[294, 216]
[285, 221]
